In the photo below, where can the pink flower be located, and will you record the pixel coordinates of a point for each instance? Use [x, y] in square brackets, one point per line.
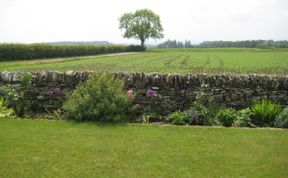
[150, 93]
[49, 93]
[58, 91]
[130, 94]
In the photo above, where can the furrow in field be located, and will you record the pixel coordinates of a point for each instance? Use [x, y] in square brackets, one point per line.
[170, 60]
[221, 63]
[185, 60]
[208, 60]
[150, 64]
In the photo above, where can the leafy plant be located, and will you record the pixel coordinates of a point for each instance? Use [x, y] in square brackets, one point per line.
[282, 119]
[154, 116]
[243, 118]
[145, 118]
[177, 118]
[15, 97]
[55, 114]
[227, 116]
[5, 112]
[265, 113]
[100, 98]
[197, 114]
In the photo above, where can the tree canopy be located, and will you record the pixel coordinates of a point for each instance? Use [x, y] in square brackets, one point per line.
[142, 24]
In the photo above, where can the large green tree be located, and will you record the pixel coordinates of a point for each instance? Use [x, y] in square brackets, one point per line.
[142, 24]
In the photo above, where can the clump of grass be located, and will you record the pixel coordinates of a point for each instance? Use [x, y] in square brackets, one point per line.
[264, 113]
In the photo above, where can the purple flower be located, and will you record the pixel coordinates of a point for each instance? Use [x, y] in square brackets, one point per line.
[150, 93]
[57, 91]
[49, 92]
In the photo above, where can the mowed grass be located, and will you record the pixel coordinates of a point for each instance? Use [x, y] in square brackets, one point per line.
[213, 61]
[42, 148]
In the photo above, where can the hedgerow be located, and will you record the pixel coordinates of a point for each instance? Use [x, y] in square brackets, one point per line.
[38, 51]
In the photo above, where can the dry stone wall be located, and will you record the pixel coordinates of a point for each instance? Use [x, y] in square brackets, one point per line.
[173, 92]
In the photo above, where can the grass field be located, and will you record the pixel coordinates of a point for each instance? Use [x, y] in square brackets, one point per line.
[43, 148]
[237, 61]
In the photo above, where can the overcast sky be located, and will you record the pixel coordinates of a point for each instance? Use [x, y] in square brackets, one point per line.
[30, 21]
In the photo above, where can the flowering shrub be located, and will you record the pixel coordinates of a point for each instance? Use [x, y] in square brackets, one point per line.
[243, 118]
[197, 114]
[100, 98]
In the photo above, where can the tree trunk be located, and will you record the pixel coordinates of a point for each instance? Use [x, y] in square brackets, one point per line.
[142, 42]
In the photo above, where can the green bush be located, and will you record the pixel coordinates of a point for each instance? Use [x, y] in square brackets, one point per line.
[5, 112]
[243, 118]
[197, 114]
[15, 97]
[177, 118]
[155, 117]
[227, 116]
[282, 119]
[135, 48]
[265, 113]
[37, 51]
[100, 98]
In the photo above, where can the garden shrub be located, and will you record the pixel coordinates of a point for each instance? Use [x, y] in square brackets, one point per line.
[243, 118]
[227, 116]
[265, 113]
[5, 112]
[100, 98]
[177, 118]
[197, 114]
[282, 119]
[15, 97]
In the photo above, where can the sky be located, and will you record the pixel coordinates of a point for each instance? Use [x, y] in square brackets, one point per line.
[31, 21]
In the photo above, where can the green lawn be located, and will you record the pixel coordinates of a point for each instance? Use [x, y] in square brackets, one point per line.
[43, 148]
[228, 60]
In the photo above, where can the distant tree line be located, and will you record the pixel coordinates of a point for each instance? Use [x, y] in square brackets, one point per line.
[176, 44]
[37, 51]
[226, 44]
